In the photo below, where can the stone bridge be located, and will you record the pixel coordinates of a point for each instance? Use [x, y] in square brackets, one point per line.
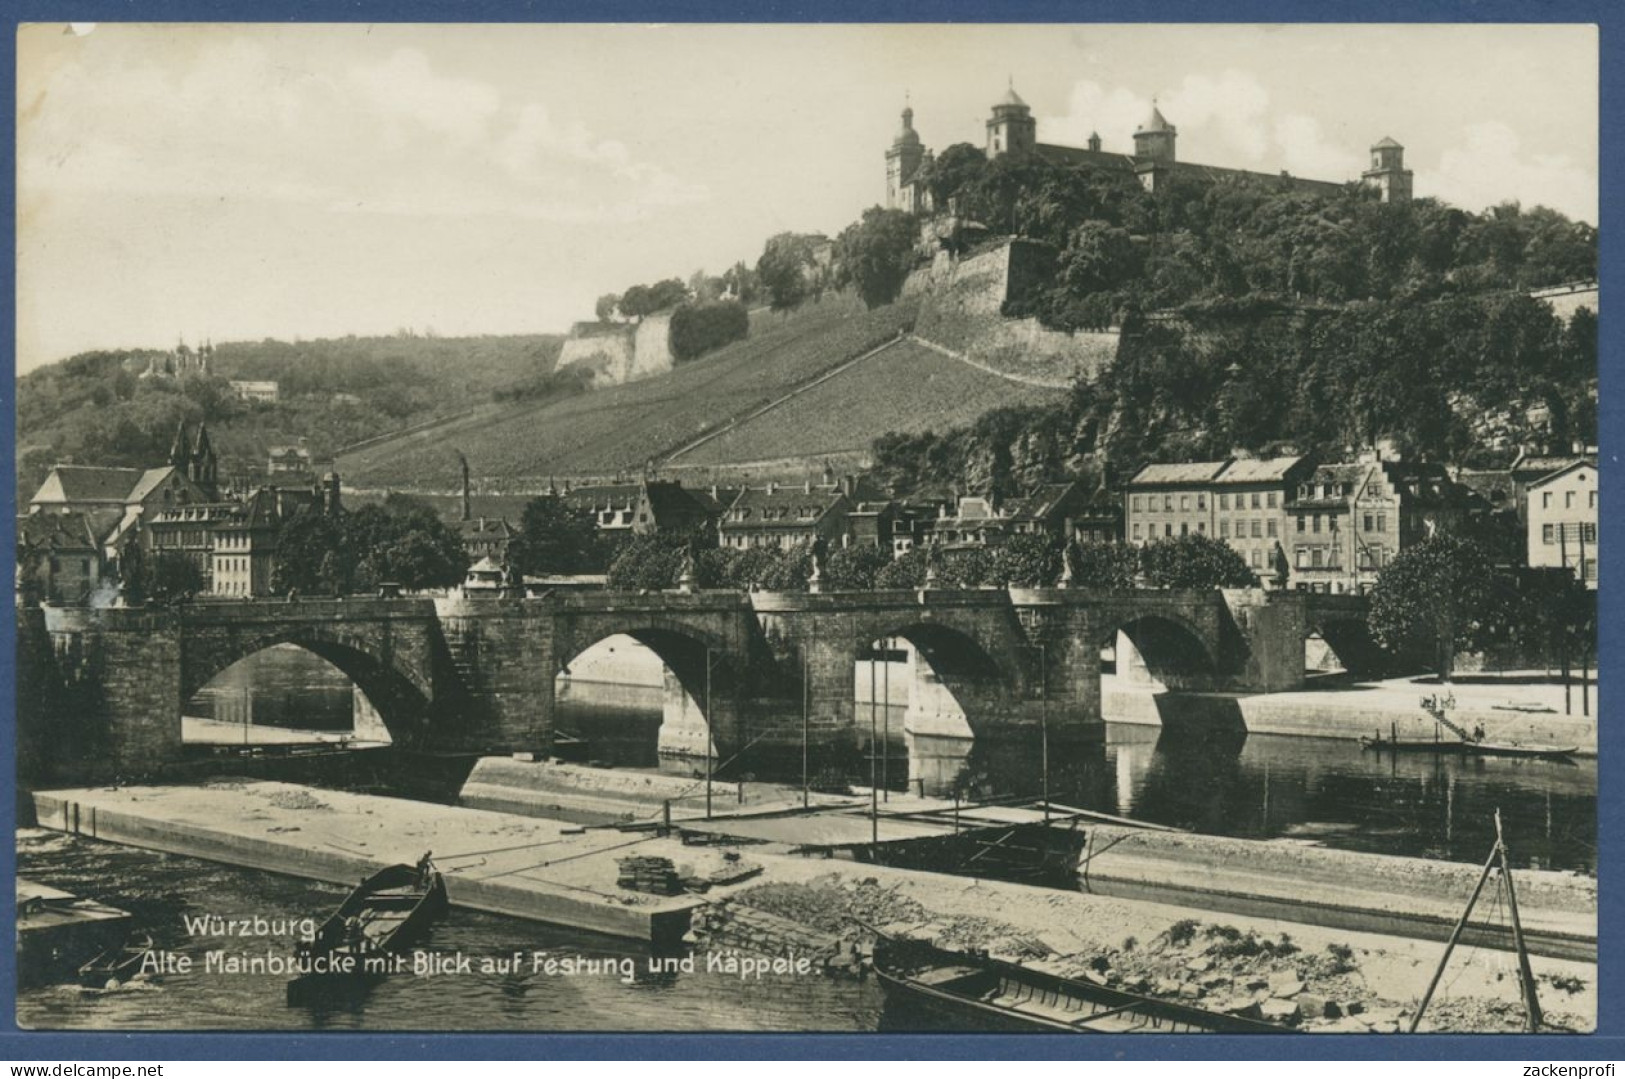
[101, 691]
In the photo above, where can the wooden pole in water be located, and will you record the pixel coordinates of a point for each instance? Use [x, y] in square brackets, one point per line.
[885, 721]
[806, 707]
[874, 790]
[1526, 977]
[1455, 935]
[710, 754]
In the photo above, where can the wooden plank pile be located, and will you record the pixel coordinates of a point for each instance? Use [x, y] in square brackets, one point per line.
[657, 876]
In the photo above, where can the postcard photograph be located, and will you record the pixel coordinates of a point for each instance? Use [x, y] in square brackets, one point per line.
[1080, 529]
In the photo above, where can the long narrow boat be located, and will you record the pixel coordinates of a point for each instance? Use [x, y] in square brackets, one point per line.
[118, 964]
[1472, 749]
[980, 993]
[387, 912]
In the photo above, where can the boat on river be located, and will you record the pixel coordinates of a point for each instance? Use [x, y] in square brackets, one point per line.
[1468, 748]
[977, 992]
[117, 965]
[387, 912]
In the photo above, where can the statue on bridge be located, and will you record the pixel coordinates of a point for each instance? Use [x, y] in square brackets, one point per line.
[820, 556]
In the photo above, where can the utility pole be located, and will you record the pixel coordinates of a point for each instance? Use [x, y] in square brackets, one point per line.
[874, 789]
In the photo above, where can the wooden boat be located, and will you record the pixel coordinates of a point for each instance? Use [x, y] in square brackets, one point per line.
[981, 993]
[118, 964]
[387, 912]
[1472, 749]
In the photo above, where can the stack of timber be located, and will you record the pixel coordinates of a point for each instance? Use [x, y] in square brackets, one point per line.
[656, 876]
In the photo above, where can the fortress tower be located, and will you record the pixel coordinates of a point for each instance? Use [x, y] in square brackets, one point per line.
[902, 162]
[1388, 173]
[1011, 129]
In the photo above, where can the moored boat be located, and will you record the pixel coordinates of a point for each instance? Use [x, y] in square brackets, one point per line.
[981, 993]
[387, 912]
[1475, 749]
[116, 965]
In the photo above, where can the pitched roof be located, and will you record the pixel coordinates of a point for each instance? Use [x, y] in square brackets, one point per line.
[150, 481]
[1040, 502]
[1386, 143]
[87, 483]
[1011, 98]
[782, 507]
[1258, 470]
[1550, 476]
[73, 530]
[1154, 122]
[480, 526]
[1178, 472]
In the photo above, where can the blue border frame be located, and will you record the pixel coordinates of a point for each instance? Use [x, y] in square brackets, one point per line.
[1608, 1043]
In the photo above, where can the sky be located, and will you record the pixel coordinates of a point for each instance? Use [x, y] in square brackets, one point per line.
[242, 181]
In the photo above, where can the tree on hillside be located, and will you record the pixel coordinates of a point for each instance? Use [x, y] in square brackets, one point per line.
[1436, 598]
[951, 171]
[698, 328]
[783, 270]
[640, 301]
[739, 281]
[606, 306]
[311, 556]
[877, 252]
[1194, 561]
[554, 537]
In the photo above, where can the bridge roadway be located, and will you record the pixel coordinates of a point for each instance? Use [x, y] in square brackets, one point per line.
[100, 691]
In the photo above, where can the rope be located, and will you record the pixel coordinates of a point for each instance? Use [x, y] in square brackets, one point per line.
[571, 858]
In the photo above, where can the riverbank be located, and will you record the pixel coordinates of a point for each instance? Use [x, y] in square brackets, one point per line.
[550, 871]
[1509, 711]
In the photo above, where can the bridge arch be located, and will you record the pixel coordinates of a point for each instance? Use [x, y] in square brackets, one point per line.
[705, 665]
[1346, 644]
[1164, 647]
[400, 693]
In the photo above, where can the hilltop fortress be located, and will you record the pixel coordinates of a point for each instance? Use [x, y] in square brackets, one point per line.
[1011, 129]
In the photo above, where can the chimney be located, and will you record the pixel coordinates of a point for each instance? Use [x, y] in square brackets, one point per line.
[806, 487]
[849, 486]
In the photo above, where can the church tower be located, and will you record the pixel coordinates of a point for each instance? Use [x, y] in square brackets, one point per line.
[1011, 129]
[180, 453]
[204, 470]
[1388, 173]
[902, 163]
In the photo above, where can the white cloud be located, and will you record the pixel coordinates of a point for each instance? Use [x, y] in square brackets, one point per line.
[1305, 151]
[1489, 168]
[390, 136]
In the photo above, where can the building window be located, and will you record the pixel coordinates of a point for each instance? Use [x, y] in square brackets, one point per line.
[1184, 503]
[1201, 526]
[1303, 525]
[1382, 522]
[1136, 529]
[1546, 500]
[1257, 558]
[1255, 500]
[1224, 528]
[1139, 504]
[1588, 534]
[1224, 501]
[1168, 503]
[1593, 497]
[1168, 529]
[1316, 528]
[1331, 522]
[1568, 500]
[1257, 529]
[1184, 529]
[1269, 499]
[1315, 558]
[1269, 528]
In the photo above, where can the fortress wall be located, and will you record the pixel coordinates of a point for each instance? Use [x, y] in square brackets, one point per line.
[651, 352]
[608, 355]
[963, 311]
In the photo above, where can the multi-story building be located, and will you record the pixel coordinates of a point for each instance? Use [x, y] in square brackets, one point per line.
[60, 556]
[1239, 501]
[641, 508]
[1350, 520]
[1562, 521]
[244, 555]
[785, 516]
[1165, 501]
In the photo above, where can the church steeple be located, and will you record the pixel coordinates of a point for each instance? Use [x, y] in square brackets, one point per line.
[204, 469]
[180, 452]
